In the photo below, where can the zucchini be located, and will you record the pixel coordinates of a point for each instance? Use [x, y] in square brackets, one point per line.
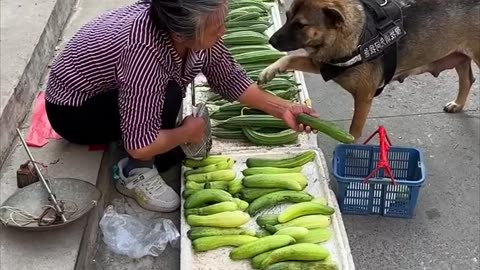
[276, 198]
[261, 245]
[270, 170]
[229, 219]
[290, 162]
[214, 242]
[326, 127]
[198, 232]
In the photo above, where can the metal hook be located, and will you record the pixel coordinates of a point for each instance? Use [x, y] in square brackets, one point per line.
[384, 3]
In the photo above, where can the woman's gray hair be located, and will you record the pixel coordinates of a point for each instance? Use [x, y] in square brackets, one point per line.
[187, 17]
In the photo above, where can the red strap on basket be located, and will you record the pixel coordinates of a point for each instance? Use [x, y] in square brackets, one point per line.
[384, 145]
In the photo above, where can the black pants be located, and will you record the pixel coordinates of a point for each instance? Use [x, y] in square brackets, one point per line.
[97, 121]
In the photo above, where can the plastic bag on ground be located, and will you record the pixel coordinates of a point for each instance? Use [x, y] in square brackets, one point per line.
[136, 237]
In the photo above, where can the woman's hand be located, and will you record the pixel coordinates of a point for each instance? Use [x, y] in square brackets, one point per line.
[289, 115]
[194, 128]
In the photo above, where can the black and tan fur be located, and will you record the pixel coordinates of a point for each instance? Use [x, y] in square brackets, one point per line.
[441, 34]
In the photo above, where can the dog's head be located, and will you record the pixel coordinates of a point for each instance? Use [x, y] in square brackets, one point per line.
[312, 25]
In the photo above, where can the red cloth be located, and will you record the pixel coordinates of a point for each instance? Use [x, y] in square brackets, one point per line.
[40, 131]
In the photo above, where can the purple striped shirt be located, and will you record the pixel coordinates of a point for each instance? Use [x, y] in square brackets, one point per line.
[121, 50]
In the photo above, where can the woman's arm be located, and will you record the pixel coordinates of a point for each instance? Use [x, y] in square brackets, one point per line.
[227, 78]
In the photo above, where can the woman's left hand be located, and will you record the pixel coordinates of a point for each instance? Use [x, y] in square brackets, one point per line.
[288, 116]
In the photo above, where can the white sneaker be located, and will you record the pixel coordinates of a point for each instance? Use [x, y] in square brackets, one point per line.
[147, 187]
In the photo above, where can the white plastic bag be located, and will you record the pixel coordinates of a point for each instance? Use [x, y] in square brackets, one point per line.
[136, 237]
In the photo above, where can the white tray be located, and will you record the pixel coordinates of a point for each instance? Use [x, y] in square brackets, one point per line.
[315, 171]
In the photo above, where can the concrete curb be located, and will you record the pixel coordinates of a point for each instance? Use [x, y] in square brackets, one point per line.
[19, 103]
[88, 245]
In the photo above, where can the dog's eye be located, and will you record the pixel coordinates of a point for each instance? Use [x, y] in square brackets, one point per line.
[300, 25]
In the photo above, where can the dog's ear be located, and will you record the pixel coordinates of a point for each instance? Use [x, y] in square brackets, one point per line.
[334, 17]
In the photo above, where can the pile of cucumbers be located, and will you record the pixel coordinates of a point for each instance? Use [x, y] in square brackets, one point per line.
[246, 25]
[219, 205]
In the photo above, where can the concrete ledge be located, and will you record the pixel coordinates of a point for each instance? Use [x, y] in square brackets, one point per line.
[20, 85]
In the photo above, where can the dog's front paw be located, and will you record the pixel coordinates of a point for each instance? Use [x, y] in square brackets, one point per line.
[452, 107]
[270, 72]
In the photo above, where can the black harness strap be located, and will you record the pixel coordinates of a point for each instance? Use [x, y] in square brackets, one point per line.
[382, 30]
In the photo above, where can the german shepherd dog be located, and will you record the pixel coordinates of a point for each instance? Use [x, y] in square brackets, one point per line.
[437, 35]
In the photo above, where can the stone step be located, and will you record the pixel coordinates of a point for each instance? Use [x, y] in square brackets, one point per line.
[30, 31]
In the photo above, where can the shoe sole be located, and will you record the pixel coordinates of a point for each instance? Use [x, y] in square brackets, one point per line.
[131, 194]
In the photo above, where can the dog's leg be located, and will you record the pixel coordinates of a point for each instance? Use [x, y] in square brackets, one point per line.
[465, 79]
[362, 107]
[288, 62]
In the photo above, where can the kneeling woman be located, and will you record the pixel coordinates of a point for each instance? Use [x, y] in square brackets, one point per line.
[123, 76]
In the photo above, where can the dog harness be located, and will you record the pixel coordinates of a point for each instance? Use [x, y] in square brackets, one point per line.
[382, 30]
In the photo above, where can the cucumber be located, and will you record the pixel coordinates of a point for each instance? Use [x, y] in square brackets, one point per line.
[214, 242]
[319, 265]
[193, 163]
[296, 252]
[235, 186]
[259, 182]
[222, 165]
[267, 219]
[198, 232]
[270, 170]
[241, 204]
[326, 127]
[230, 219]
[206, 196]
[303, 209]
[316, 236]
[213, 209]
[261, 245]
[257, 260]
[221, 175]
[267, 179]
[250, 194]
[275, 198]
[309, 222]
[295, 232]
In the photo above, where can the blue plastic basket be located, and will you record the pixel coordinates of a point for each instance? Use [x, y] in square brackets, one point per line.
[352, 163]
